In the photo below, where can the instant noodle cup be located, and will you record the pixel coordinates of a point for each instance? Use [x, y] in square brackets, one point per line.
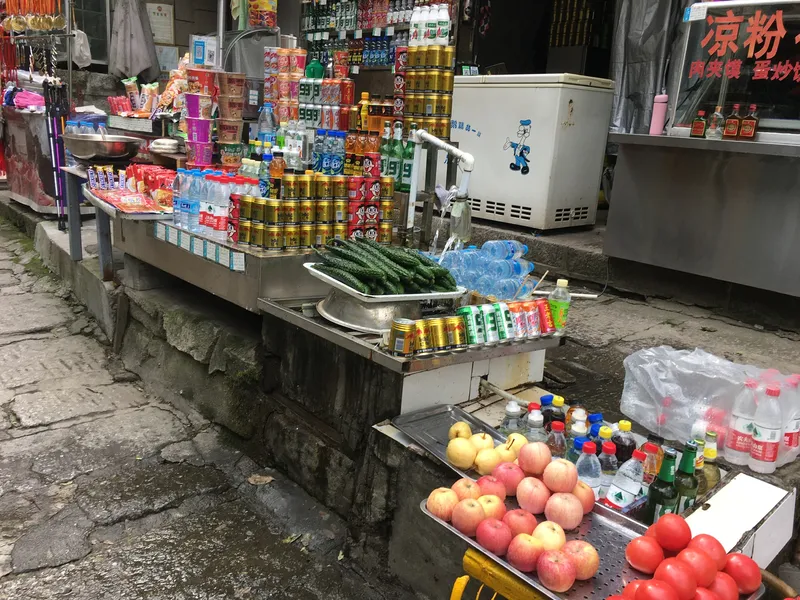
[201, 81]
[231, 154]
[229, 131]
[198, 106]
[199, 153]
[232, 84]
[230, 107]
[198, 130]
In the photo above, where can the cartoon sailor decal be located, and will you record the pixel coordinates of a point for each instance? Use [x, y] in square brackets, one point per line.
[521, 150]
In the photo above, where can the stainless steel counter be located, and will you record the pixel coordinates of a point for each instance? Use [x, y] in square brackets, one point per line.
[689, 143]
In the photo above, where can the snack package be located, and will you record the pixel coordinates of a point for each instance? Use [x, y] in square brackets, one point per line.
[148, 97]
[132, 91]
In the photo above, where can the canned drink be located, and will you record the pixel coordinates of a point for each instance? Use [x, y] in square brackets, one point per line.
[257, 234]
[456, 335]
[340, 211]
[371, 213]
[386, 210]
[283, 87]
[373, 189]
[503, 315]
[439, 104]
[489, 324]
[385, 233]
[340, 186]
[322, 233]
[416, 56]
[273, 215]
[371, 231]
[291, 211]
[335, 116]
[316, 115]
[304, 90]
[324, 187]
[414, 104]
[401, 337]
[316, 91]
[355, 213]
[335, 92]
[244, 232]
[308, 233]
[439, 339]
[433, 81]
[290, 187]
[357, 188]
[399, 107]
[307, 211]
[447, 81]
[348, 91]
[387, 187]
[305, 186]
[422, 338]
[428, 102]
[436, 126]
[448, 57]
[547, 325]
[246, 207]
[258, 209]
[340, 231]
[400, 59]
[354, 232]
[323, 211]
[327, 117]
[519, 319]
[445, 126]
[233, 231]
[473, 325]
[399, 84]
[324, 92]
[291, 236]
[294, 87]
[344, 118]
[235, 206]
[433, 57]
[372, 165]
[412, 77]
[283, 60]
[273, 238]
[532, 318]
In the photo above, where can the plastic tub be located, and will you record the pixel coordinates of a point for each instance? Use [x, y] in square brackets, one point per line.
[198, 130]
[198, 106]
[229, 131]
[232, 84]
[230, 107]
[231, 154]
[199, 153]
[201, 81]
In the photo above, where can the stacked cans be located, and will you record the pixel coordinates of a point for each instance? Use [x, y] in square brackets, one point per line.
[424, 337]
[283, 69]
[500, 322]
[400, 83]
[429, 88]
[370, 208]
[330, 204]
[326, 103]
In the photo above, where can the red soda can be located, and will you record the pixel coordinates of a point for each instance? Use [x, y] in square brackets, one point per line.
[354, 231]
[546, 324]
[399, 84]
[327, 117]
[399, 106]
[356, 213]
[335, 112]
[344, 118]
[532, 315]
[234, 206]
[400, 59]
[372, 164]
[335, 92]
[373, 186]
[371, 232]
[233, 231]
[356, 189]
[371, 214]
[348, 92]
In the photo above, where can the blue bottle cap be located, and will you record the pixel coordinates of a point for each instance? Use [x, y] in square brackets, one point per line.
[546, 399]
[595, 418]
[578, 443]
[320, 132]
[594, 431]
[524, 249]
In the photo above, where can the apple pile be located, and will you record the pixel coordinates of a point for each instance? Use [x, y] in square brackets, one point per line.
[466, 450]
[541, 486]
[686, 567]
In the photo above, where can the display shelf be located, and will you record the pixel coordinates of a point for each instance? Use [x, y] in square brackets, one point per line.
[333, 32]
[133, 124]
[213, 251]
[114, 212]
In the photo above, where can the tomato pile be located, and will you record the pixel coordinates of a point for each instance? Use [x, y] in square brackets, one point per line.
[685, 567]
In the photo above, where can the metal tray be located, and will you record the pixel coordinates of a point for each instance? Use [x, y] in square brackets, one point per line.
[460, 291]
[429, 426]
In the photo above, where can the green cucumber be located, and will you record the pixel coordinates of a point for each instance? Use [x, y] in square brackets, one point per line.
[344, 277]
[377, 256]
[354, 268]
[377, 262]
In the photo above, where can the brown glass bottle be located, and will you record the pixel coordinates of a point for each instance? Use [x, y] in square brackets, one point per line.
[698, 129]
[733, 124]
[749, 126]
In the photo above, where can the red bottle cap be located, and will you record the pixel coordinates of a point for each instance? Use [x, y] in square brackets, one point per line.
[532, 406]
[557, 426]
[774, 390]
[589, 447]
[609, 448]
[639, 455]
[650, 447]
[750, 383]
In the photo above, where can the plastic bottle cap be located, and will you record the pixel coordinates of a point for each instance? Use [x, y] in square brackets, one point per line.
[594, 430]
[579, 414]
[589, 448]
[605, 432]
[578, 427]
[558, 401]
[595, 418]
[512, 406]
[774, 390]
[532, 406]
[557, 426]
[561, 282]
[609, 448]
[639, 455]
[650, 447]
[624, 425]
[546, 400]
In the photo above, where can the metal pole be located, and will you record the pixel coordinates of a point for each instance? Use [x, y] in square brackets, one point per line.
[68, 19]
[222, 7]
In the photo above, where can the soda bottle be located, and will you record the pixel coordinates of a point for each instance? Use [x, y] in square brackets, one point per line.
[662, 497]
[396, 155]
[385, 148]
[558, 413]
[408, 161]
[363, 112]
[608, 466]
[740, 428]
[556, 440]
[534, 431]
[627, 482]
[574, 453]
[624, 441]
[546, 401]
[767, 431]
[559, 301]
[589, 470]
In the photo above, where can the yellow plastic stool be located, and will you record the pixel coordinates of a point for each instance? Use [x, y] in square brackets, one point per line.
[491, 574]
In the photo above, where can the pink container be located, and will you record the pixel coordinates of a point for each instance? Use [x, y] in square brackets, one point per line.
[199, 153]
[198, 106]
[297, 61]
[294, 87]
[198, 130]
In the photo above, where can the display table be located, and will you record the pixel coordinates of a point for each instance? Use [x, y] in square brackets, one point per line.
[721, 209]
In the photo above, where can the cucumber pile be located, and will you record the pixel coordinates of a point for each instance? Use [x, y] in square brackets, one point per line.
[370, 268]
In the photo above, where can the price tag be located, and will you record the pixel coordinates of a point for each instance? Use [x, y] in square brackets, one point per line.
[212, 249]
[354, 70]
[376, 31]
[252, 97]
[198, 247]
[342, 34]
[390, 30]
[323, 2]
[237, 261]
[174, 236]
[186, 241]
[357, 34]
[224, 257]
[310, 37]
[326, 35]
[695, 12]
[161, 231]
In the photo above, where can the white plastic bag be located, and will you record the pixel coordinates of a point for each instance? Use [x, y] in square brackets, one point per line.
[81, 54]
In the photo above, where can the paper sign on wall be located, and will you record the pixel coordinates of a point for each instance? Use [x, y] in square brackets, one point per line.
[162, 23]
[204, 50]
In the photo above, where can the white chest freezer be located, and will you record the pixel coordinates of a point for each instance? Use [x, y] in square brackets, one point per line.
[538, 143]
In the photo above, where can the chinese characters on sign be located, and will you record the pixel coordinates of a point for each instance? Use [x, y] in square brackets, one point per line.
[460, 125]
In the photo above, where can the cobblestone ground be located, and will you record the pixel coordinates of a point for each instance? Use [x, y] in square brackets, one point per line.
[108, 493]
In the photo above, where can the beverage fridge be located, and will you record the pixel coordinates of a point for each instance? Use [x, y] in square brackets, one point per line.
[539, 142]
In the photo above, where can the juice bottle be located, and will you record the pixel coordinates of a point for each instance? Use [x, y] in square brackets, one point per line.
[350, 152]
[546, 402]
[361, 149]
[650, 464]
[556, 440]
[373, 141]
[276, 169]
[603, 436]
[363, 112]
[658, 442]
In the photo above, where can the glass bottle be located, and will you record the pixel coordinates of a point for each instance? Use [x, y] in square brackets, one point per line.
[624, 441]
[408, 161]
[650, 465]
[698, 129]
[732, 124]
[662, 497]
[710, 467]
[609, 466]
[716, 124]
[699, 462]
[685, 481]
[588, 466]
[574, 451]
[396, 154]
[556, 440]
[385, 147]
[749, 127]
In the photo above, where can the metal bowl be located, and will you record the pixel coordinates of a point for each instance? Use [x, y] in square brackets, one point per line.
[375, 317]
[87, 146]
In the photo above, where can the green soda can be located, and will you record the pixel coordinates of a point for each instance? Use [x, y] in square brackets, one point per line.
[473, 322]
[490, 324]
[504, 333]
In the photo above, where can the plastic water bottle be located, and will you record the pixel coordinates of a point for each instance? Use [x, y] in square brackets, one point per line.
[504, 249]
[534, 426]
[188, 191]
[608, 466]
[71, 128]
[559, 301]
[507, 268]
[574, 453]
[513, 421]
[337, 153]
[589, 470]
[767, 431]
[505, 289]
[266, 124]
[263, 174]
[627, 483]
[87, 128]
[318, 150]
[102, 129]
[178, 187]
[790, 445]
[280, 136]
[740, 429]
[193, 214]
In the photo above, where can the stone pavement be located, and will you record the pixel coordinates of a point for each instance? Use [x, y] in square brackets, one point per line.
[106, 492]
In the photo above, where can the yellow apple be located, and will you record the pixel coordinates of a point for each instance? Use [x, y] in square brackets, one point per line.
[482, 441]
[460, 429]
[461, 453]
[505, 452]
[516, 441]
[486, 460]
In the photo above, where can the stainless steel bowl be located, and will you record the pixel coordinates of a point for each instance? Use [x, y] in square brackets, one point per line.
[87, 146]
[348, 311]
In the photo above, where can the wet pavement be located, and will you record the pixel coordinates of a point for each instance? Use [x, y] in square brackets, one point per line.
[106, 492]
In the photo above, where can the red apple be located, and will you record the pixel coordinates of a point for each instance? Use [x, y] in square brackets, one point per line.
[584, 557]
[520, 521]
[467, 515]
[564, 509]
[492, 486]
[524, 551]
[551, 534]
[494, 535]
[466, 488]
[532, 495]
[441, 503]
[493, 507]
[556, 571]
[510, 475]
[534, 457]
[586, 495]
[560, 476]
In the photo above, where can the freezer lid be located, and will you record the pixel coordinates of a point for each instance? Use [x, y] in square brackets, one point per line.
[536, 79]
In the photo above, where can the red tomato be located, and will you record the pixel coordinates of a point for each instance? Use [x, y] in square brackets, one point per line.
[679, 575]
[651, 531]
[710, 545]
[701, 563]
[614, 598]
[672, 532]
[745, 572]
[629, 591]
[656, 590]
[644, 554]
[704, 594]
[724, 587]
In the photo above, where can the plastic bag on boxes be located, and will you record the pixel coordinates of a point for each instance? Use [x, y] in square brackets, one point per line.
[678, 393]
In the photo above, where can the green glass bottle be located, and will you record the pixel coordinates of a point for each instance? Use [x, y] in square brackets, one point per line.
[408, 161]
[685, 481]
[395, 165]
[699, 461]
[662, 497]
[386, 148]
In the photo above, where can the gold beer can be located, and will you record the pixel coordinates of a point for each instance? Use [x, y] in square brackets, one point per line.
[340, 231]
[401, 337]
[256, 234]
[244, 232]
[433, 57]
[441, 105]
[447, 59]
[273, 238]
[387, 187]
[438, 329]
[272, 211]
[422, 338]
[456, 333]
[307, 211]
[415, 104]
[324, 187]
[290, 187]
[443, 127]
[257, 210]
[323, 232]
[385, 233]
[447, 78]
[246, 207]
[324, 211]
[291, 236]
[385, 210]
[305, 186]
[339, 211]
[291, 211]
[308, 234]
[411, 82]
[430, 104]
[339, 186]
[433, 81]
[416, 56]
